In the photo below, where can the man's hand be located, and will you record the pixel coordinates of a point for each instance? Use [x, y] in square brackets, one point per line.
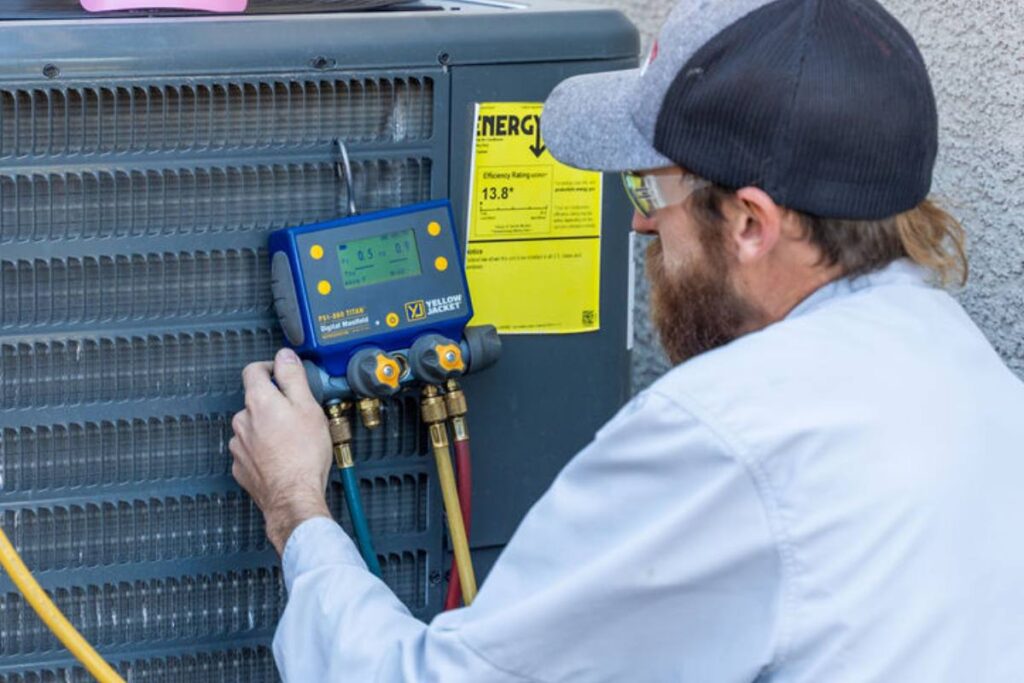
[281, 447]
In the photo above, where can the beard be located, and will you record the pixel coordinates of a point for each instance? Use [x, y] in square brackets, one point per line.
[698, 309]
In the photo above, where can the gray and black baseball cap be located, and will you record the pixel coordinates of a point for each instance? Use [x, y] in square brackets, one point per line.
[826, 105]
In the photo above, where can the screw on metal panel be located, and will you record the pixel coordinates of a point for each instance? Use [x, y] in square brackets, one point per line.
[435, 577]
[320, 63]
[51, 71]
[443, 58]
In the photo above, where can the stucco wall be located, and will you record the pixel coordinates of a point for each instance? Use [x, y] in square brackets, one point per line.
[975, 52]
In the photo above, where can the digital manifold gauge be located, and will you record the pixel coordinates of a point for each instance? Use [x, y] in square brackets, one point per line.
[381, 280]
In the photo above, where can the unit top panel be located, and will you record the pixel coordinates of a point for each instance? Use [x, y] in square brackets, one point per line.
[75, 44]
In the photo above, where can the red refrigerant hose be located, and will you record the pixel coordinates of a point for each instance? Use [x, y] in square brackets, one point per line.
[464, 478]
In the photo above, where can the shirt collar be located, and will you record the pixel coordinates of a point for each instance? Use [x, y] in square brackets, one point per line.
[901, 272]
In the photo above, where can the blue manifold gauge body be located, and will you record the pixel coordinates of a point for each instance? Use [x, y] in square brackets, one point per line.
[371, 280]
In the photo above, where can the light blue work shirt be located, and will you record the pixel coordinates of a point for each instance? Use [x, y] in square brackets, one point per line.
[836, 498]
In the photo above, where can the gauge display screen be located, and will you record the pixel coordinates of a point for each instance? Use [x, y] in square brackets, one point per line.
[383, 258]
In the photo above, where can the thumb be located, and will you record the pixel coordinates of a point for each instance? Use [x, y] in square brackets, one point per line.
[290, 377]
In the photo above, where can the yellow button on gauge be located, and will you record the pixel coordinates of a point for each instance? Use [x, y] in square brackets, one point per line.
[317, 252]
[434, 228]
[441, 263]
[324, 287]
[392, 319]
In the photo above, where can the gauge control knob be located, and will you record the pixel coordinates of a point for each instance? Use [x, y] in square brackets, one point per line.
[373, 373]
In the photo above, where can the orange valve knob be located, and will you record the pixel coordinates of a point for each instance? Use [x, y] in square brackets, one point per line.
[449, 357]
[372, 373]
[388, 371]
[434, 359]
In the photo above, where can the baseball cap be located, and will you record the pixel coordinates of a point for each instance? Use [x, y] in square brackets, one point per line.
[826, 105]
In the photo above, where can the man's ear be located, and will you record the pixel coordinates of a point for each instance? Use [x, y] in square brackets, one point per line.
[753, 224]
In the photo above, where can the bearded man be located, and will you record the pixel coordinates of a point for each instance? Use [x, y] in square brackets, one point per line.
[823, 489]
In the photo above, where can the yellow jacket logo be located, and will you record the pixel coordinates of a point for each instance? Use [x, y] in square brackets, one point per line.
[415, 310]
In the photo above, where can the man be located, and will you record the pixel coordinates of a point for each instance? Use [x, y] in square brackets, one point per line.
[824, 489]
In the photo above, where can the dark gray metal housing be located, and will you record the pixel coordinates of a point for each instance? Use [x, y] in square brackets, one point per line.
[142, 163]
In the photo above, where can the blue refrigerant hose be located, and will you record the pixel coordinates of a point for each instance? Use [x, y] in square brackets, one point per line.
[359, 522]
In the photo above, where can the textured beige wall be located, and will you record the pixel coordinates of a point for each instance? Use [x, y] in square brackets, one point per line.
[975, 51]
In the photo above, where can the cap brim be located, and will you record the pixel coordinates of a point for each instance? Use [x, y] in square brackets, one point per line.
[587, 123]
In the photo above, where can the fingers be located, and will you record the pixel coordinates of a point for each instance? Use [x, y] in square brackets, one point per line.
[241, 424]
[239, 455]
[290, 376]
[257, 375]
[259, 386]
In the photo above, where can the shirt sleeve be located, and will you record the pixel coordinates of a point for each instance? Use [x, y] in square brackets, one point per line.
[650, 558]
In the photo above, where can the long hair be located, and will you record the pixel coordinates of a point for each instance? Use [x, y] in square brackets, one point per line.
[927, 234]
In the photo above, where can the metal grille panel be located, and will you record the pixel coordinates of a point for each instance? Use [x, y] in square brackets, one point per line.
[191, 117]
[395, 504]
[181, 608]
[80, 371]
[230, 666]
[103, 204]
[142, 451]
[59, 457]
[133, 287]
[173, 609]
[406, 574]
[123, 532]
[233, 666]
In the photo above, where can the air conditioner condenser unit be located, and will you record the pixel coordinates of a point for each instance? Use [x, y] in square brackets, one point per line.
[144, 158]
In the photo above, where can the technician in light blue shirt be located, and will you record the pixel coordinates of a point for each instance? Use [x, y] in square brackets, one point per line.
[826, 488]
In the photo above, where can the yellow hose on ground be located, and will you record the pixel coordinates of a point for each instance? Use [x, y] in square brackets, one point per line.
[52, 616]
[456, 525]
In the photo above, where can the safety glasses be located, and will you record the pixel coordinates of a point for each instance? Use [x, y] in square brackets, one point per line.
[649, 192]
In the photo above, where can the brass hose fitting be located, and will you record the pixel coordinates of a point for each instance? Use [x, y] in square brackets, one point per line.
[433, 408]
[369, 412]
[341, 433]
[455, 403]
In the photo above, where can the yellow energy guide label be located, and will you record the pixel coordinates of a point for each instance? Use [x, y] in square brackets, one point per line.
[533, 254]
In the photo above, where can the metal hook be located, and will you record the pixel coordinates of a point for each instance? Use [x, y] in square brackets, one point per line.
[343, 169]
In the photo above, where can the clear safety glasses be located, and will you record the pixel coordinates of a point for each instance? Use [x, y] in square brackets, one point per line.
[649, 192]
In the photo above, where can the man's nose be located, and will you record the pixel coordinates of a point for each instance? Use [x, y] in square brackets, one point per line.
[643, 225]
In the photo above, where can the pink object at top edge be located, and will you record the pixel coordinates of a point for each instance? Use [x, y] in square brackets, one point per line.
[207, 5]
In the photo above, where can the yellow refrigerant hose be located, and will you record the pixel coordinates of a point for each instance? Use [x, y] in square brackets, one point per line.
[52, 616]
[435, 416]
[456, 525]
